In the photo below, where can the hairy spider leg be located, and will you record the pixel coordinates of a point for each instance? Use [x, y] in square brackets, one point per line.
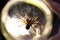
[26, 16]
[33, 28]
[22, 21]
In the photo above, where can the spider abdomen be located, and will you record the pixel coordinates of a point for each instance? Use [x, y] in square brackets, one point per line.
[27, 26]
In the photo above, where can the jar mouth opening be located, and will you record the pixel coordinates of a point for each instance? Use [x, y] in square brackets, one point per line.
[12, 12]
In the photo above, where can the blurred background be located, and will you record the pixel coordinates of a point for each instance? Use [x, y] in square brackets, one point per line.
[56, 20]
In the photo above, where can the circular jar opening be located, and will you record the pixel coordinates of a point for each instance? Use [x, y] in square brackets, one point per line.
[25, 21]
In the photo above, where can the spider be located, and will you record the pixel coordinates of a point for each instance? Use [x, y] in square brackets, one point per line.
[29, 21]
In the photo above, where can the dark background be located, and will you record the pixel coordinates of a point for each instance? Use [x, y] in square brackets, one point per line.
[56, 20]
